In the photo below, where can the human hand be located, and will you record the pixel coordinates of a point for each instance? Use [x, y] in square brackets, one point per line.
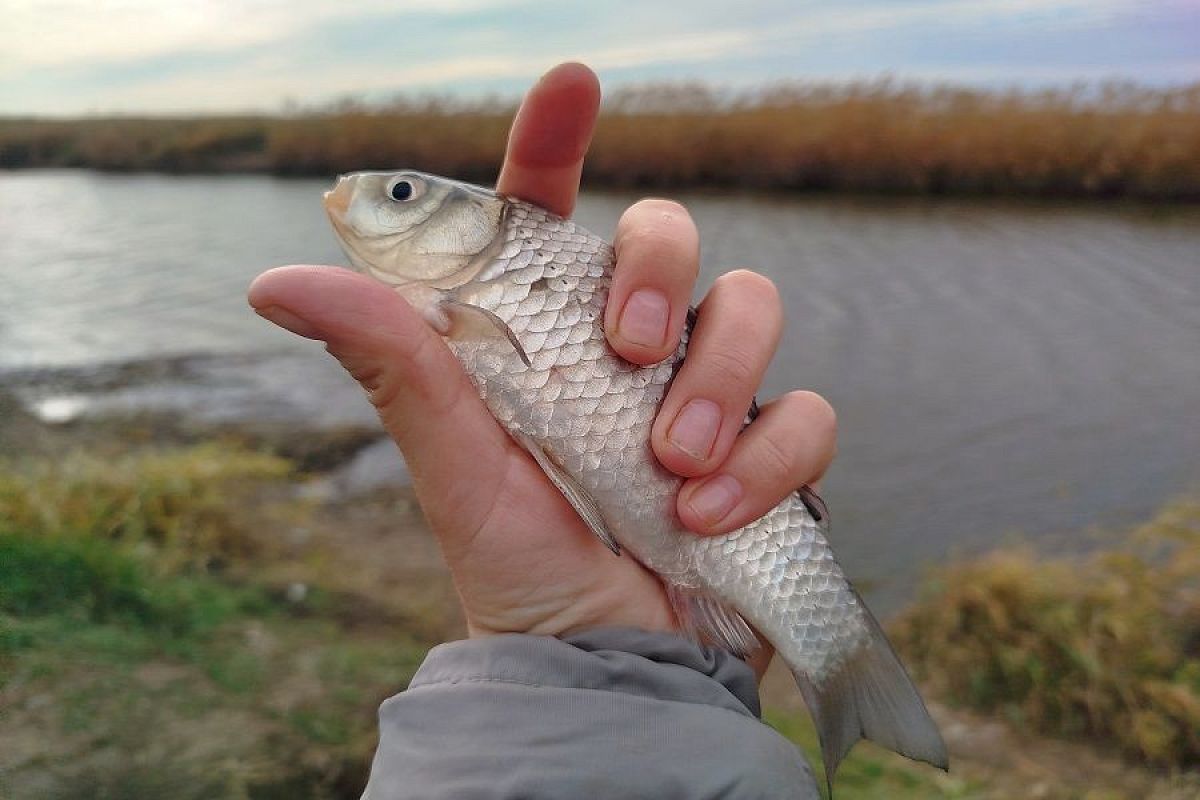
[520, 557]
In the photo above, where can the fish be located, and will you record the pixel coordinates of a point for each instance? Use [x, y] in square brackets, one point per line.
[519, 293]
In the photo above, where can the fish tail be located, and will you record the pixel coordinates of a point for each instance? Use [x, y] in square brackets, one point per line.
[870, 696]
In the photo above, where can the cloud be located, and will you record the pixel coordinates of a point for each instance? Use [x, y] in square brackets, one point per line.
[61, 33]
[221, 54]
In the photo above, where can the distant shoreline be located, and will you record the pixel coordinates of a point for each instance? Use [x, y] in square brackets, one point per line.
[1106, 142]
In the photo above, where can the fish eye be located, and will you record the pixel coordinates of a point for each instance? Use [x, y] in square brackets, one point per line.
[403, 189]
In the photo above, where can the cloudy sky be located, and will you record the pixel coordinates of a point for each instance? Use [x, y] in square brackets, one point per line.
[77, 56]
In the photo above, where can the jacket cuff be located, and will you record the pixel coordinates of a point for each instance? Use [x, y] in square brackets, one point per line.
[610, 712]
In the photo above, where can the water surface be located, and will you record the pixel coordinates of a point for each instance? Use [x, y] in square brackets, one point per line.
[997, 369]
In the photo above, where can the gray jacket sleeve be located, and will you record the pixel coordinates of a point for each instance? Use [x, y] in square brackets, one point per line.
[617, 713]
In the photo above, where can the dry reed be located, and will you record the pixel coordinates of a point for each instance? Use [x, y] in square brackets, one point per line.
[1105, 648]
[1088, 141]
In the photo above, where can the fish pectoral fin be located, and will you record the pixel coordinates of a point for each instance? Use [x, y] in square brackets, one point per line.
[473, 322]
[701, 614]
[870, 696]
[583, 503]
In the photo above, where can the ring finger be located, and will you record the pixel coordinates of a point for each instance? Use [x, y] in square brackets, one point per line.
[737, 330]
[790, 444]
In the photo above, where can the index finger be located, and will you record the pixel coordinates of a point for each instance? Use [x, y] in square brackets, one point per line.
[549, 138]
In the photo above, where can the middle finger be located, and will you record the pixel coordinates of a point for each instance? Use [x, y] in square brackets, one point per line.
[658, 256]
[737, 331]
[549, 138]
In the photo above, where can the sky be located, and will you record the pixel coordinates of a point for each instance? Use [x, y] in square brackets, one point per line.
[67, 57]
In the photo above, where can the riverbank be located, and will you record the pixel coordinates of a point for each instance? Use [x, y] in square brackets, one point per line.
[1107, 141]
[193, 612]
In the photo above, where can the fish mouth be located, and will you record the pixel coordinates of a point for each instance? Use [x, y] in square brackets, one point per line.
[337, 199]
[337, 206]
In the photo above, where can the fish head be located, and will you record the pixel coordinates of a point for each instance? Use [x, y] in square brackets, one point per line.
[414, 231]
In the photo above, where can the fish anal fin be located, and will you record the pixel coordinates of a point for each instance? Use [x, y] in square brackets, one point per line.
[576, 495]
[814, 505]
[702, 615]
[870, 696]
[473, 322]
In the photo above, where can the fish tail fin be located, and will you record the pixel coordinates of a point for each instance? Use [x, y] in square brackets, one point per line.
[870, 696]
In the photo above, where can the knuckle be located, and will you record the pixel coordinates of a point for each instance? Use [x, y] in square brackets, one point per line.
[754, 295]
[648, 243]
[817, 411]
[750, 278]
[659, 253]
[751, 283]
[729, 367]
[400, 369]
[770, 458]
[669, 211]
[659, 230]
[373, 379]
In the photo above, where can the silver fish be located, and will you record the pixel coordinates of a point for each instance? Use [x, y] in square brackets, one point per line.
[519, 294]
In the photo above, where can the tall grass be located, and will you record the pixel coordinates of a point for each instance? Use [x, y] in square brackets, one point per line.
[127, 540]
[1108, 141]
[1106, 648]
[181, 504]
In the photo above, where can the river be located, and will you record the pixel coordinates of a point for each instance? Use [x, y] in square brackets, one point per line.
[1002, 372]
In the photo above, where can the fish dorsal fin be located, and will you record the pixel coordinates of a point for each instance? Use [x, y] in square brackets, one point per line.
[703, 615]
[870, 696]
[473, 322]
[576, 495]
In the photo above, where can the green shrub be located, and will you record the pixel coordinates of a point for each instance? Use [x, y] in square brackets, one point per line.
[1106, 647]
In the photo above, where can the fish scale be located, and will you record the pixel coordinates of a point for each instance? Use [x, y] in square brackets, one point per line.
[538, 354]
[815, 606]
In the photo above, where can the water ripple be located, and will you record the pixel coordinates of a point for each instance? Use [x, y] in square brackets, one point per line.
[996, 368]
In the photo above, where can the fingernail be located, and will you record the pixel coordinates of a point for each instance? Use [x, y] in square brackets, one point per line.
[695, 428]
[713, 500]
[644, 318]
[288, 320]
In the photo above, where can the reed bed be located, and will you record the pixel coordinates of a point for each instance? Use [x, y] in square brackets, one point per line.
[1105, 649]
[1114, 140]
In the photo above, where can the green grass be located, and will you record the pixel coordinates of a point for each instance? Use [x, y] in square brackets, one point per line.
[142, 656]
[870, 772]
[1104, 648]
[93, 582]
[250, 702]
[117, 556]
[135, 667]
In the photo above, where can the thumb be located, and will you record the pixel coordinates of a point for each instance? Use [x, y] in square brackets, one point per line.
[454, 448]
